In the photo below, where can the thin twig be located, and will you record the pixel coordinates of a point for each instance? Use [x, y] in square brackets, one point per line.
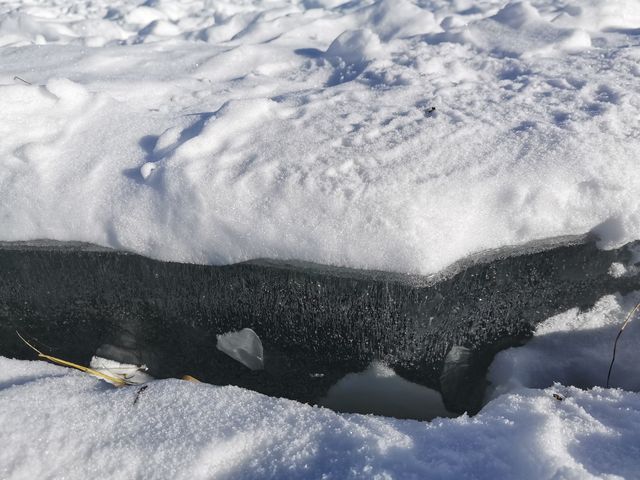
[22, 80]
[615, 344]
[142, 389]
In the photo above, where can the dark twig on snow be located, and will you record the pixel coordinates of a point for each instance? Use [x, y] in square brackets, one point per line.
[142, 389]
[615, 344]
[22, 80]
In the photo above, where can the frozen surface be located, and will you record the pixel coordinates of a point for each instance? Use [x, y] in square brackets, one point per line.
[216, 132]
[56, 422]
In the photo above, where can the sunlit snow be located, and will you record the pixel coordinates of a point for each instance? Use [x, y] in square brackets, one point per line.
[390, 134]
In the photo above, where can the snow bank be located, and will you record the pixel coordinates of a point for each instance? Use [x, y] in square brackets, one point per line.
[56, 422]
[575, 348]
[221, 131]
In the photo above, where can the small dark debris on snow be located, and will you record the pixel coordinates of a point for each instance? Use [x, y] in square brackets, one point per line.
[22, 80]
[142, 389]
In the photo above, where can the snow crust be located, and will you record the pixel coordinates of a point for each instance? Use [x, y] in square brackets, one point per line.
[220, 131]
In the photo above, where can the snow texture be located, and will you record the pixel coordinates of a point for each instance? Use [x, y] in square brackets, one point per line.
[220, 131]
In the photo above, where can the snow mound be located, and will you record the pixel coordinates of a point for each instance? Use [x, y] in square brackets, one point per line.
[519, 30]
[55, 421]
[354, 47]
[218, 132]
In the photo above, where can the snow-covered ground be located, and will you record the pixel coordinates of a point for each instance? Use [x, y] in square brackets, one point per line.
[399, 135]
[219, 131]
[59, 423]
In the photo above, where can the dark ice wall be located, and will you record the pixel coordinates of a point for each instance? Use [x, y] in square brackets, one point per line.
[316, 323]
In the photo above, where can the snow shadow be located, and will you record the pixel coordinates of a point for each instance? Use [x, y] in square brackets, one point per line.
[575, 348]
[157, 148]
[309, 52]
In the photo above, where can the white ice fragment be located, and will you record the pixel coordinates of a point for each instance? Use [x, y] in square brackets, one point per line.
[94, 42]
[244, 346]
[617, 270]
[132, 374]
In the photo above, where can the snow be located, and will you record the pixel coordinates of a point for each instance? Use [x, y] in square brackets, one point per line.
[217, 131]
[575, 348]
[56, 422]
[384, 134]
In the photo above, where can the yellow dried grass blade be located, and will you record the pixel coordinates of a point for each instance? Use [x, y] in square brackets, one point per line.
[118, 381]
[115, 380]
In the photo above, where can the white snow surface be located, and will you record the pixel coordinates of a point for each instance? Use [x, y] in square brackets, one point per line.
[60, 423]
[216, 131]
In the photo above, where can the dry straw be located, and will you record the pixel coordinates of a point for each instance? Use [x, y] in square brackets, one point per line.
[117, 381]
